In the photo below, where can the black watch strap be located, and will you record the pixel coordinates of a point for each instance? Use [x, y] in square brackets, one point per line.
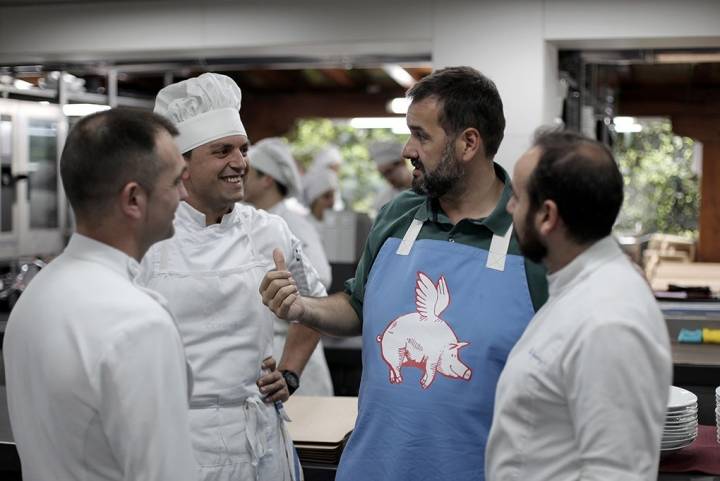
[292, 380]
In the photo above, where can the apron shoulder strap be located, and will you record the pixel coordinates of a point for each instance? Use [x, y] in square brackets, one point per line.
[498, 250]
[409, 238]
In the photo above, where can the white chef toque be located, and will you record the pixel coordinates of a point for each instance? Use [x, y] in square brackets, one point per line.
[385, 152]
[203, 108]
[317, 181]
[272, 156]
[328, 157]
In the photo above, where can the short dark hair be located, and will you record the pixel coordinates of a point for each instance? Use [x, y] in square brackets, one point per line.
[106, 150]
[469, 99]
[581, 176]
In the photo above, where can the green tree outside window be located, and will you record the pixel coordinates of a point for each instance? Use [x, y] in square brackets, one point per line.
[662, 192]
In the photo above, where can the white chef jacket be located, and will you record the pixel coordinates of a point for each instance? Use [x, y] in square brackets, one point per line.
[97, 383]
[584, 392]
[316, 380]
[210, 276]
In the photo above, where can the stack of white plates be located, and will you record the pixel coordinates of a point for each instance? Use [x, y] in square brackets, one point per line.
[717, 413]
[680, 421]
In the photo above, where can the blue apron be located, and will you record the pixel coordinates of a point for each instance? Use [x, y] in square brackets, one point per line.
[438, 325]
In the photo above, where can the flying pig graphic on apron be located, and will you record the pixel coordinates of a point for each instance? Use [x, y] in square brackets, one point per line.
[423, 339]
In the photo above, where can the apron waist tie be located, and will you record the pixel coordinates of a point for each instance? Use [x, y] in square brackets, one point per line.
[255, 419]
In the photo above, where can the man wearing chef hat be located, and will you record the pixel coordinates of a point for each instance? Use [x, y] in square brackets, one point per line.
[209, 272]
[387, 155]
[97, 382]
[272, 178]
[320, 185]
[584, 392]
[329, 157]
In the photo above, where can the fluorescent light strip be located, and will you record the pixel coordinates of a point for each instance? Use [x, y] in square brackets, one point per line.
[397, 124]
[399, 75]
[399, 105]
[81, 110]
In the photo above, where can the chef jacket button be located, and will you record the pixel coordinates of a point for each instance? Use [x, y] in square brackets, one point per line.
[452, 240]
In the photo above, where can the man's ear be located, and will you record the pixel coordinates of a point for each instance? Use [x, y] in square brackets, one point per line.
[547, 218]
[470, 144]
[267, 182]
[133, 201]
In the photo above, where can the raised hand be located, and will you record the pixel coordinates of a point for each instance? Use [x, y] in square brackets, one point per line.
[279, 291]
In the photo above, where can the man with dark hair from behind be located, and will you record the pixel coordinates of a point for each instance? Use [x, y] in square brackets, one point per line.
[97, 381]
[584, 391]
[440, 294]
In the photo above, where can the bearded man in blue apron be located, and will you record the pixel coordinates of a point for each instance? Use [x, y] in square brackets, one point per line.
[440, 296]
[209, 273]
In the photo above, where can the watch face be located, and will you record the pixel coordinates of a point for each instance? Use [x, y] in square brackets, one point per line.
[291, 379]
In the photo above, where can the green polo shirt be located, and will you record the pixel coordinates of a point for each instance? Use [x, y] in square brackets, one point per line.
[396, 216]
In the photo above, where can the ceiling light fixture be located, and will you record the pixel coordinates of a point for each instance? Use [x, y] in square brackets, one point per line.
[398, 105]
[81, 110]
[22, 84]
[396, 124]
[626, 124]
[687, 57]
[400, 75]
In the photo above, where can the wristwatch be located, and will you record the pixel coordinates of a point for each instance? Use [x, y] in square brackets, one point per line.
[292, 380]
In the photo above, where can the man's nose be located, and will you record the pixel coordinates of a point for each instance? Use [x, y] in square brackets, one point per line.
[239, 160]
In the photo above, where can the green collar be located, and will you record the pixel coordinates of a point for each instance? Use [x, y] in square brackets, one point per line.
[498, 221]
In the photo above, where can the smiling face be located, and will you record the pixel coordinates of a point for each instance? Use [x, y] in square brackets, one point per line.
[215, 175]
[430, 150]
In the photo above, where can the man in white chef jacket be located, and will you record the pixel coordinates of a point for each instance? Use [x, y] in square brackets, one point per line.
[584, 392]
[209, 272]
[97, 381]
[387, 155]
[272, 178]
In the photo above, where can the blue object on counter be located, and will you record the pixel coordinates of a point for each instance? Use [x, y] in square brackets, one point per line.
[690, 336]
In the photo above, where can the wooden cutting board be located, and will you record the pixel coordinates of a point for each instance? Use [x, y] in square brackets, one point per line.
[321, 420]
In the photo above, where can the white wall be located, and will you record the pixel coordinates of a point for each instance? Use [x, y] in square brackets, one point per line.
[633, 23]
[504, 40]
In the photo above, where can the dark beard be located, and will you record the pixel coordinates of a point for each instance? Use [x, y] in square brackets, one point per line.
[530, 244]
[443, 178]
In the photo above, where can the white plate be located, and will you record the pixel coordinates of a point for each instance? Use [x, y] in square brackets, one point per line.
[681, 414]
[677, 445]
[665, 447]
[672, 443]
[680, 418]
[688, 429]
[665, 452]
[688, 407]
[680, 397]
[675, 420]
[676, 438]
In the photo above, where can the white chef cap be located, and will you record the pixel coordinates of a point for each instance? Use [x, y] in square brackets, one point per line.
[328, 157]
[317, 181]
[203, 109]
[385, 152]
[272, 156]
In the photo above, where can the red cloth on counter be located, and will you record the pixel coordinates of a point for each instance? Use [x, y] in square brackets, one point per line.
[702, 456]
